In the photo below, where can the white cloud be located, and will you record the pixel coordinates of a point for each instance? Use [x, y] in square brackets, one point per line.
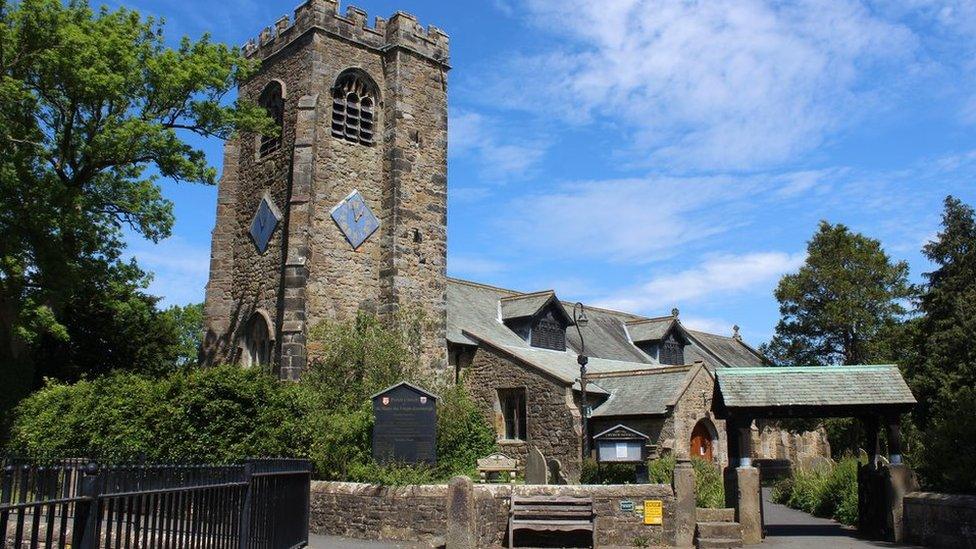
[180, 269]
[717, 276]
[710, 325]
[727, 84]
[630, 220]
[472, 266]
[500, 153]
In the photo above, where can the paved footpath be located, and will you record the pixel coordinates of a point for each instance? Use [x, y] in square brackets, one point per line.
[332, 542]
[787, 527]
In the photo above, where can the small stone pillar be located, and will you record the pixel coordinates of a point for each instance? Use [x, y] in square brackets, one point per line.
[748, 509]
[898, 482]
[461, 523]
[683, 484]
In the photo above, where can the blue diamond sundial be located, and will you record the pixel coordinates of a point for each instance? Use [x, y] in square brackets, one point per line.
[355, 219]
[264, 223]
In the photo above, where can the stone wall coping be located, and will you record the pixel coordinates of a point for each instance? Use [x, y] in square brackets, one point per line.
[376, 490]
[941, 500]
[495, 490]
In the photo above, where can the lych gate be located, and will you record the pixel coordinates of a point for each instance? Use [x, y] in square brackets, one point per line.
[875, 395]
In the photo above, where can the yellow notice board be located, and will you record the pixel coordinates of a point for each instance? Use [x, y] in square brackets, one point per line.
[653, 511]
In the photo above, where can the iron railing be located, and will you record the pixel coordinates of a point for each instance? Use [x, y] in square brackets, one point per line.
[259, 504]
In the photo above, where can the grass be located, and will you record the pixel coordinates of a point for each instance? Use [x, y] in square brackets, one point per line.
[828, 491]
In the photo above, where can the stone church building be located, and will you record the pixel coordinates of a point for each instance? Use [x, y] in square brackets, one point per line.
[346, 209]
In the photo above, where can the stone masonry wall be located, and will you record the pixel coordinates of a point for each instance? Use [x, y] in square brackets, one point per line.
[552, 420]
[402, 176]
[940, 520]
[694, 405]
[418, 513]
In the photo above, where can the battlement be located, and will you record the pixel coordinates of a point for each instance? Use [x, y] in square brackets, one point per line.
[401, 31]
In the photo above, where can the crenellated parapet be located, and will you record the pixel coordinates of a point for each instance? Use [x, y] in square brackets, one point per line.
[402, 30]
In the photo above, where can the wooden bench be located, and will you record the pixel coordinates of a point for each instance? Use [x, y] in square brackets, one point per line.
[551, 514]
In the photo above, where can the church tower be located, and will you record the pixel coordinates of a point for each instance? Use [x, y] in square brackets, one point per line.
[346, 209]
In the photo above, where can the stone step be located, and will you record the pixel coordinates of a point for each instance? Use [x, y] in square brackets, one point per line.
[719, 530]
[718, 543]
[715, 515]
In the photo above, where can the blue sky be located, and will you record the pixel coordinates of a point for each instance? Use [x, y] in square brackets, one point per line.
[655, 154]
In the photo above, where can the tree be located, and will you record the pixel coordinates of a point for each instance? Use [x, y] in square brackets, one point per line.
[187, 321]
[943, 372]
[844, 305]
[94, 108]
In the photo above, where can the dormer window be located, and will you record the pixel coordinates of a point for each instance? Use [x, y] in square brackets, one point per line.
[538, 318]
[549, 332]
[672, 351]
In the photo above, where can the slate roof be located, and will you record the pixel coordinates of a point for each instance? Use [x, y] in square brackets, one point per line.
[722, 350]
[649, 391]
[521, 306]
[812, 386]
[650, 329]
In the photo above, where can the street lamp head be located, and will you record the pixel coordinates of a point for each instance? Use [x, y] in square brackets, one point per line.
[581, 320]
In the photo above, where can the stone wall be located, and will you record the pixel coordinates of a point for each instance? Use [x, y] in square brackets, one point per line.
[771, 442]
[940, 520]
[552, 419]
[418, 513]
[368, 511]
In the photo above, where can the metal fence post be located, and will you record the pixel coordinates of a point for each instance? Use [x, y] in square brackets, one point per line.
[245, 523]
[84, 534]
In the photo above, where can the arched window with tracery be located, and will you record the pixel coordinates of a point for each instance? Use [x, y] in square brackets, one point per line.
[273, 101]
[257, 343]
[354, 107]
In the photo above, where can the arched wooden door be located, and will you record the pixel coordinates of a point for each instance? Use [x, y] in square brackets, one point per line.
[701, 441]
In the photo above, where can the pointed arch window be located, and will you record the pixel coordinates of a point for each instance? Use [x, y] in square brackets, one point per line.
[354, 107]
[273, 101]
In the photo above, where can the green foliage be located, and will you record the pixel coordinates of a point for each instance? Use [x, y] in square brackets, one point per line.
[829, 491]
[942, 372]
[187, 323]
[843, 303]
[463, 435]
[213, 414]
[661, 470]
[94, 109]
[607, 473]
[709, 485]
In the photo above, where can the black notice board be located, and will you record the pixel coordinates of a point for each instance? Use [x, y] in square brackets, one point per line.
[405, 425]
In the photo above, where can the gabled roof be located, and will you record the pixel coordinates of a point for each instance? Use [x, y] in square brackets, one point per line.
[650, 391]
[650, 329]
[621, 427]
[812, 386]
[405, 384]
[528, 305]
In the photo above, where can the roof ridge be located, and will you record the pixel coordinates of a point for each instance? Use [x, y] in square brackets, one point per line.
[483, 285]
[641, 371]
[652, 319]
[739, 370]
[529, 294]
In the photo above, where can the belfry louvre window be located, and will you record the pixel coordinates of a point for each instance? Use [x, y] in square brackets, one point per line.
[274, 103]
[549, 333]
[512, 404]
[672, 351]
[354, 108]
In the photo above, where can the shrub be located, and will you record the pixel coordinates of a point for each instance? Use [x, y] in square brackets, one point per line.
[214, 414]
[709, 485]
[829, 491]
[228, 413]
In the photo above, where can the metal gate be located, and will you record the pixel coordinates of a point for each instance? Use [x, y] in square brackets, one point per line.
[259, 504]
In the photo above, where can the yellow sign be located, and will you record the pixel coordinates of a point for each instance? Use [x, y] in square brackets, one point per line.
[653, 511]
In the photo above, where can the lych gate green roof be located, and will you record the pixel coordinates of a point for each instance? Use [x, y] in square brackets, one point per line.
[812, 386]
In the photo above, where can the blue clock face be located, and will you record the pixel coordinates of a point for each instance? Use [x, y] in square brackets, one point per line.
[355, 219]
[264, 223]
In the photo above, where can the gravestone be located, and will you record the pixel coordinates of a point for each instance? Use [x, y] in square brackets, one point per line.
[405, 425]
[536, 470]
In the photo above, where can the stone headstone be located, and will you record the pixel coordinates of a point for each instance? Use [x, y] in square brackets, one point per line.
[556, 475]
[536, 469]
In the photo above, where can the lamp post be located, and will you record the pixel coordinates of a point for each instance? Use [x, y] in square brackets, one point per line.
[580, 320]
